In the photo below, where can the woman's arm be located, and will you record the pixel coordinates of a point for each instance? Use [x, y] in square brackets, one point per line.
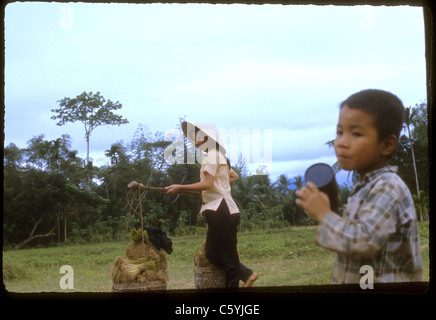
[198, 186]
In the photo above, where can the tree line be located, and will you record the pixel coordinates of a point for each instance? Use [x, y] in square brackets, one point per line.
[51, 195]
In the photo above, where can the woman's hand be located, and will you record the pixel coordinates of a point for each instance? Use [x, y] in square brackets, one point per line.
[233, 176]
[205, 184]
[174, 188]
[315, 202]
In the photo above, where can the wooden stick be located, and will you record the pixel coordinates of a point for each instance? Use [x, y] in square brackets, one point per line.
[134, 184]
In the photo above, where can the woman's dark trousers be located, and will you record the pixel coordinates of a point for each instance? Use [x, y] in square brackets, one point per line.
[221, 241]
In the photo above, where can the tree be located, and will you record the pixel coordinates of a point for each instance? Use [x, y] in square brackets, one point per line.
[285, 194]
[12, 156]
[414, 146]
[83, 205]
[297, 214]
[298, 182]
[34, 206]
[92, 110]
[264, 189]
[38, 152]
[117, 154]
[282, 185]
[409, 117]
[245, 191]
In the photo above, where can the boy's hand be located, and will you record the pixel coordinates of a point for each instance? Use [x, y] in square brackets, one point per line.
[316, 203]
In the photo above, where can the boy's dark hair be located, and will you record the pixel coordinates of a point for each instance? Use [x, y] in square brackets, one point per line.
[385, 106]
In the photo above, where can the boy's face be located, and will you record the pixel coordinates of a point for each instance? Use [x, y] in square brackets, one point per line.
[357, 146]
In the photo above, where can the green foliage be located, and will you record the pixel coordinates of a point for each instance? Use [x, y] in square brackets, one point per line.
[422, 205]
[46, 185]
[136, 236]
[29, 202]
[91, 109]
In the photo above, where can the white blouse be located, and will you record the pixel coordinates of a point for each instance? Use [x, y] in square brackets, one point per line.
[215, 164]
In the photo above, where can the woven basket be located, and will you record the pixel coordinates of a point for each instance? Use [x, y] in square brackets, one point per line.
[208, 277]
[140, 287]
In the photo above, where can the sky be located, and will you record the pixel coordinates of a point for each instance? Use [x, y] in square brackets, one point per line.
[272, 74]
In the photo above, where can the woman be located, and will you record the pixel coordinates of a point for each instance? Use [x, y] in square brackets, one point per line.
[219, 208]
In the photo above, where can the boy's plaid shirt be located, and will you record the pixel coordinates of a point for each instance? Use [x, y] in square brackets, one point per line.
[378, 228]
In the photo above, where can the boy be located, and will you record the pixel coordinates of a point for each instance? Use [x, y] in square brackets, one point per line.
[378, 227]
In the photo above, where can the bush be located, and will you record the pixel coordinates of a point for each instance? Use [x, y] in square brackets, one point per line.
[190, 231]
[264, 219]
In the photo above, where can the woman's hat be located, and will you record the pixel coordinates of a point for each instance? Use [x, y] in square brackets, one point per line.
[204, 130]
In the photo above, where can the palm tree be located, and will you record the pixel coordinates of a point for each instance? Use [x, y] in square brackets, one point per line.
[297, 212]
[298, 182]
[116, 153]
[285, 195]
[421, 205]
[282, 184]
[266, 193]
[244, 191]
[282, 190]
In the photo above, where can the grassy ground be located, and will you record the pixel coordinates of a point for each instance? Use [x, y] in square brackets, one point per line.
[286, 257]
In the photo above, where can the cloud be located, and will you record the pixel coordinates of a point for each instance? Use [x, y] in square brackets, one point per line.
[269, 67]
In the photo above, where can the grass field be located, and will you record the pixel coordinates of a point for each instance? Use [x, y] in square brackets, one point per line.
[285, 257]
